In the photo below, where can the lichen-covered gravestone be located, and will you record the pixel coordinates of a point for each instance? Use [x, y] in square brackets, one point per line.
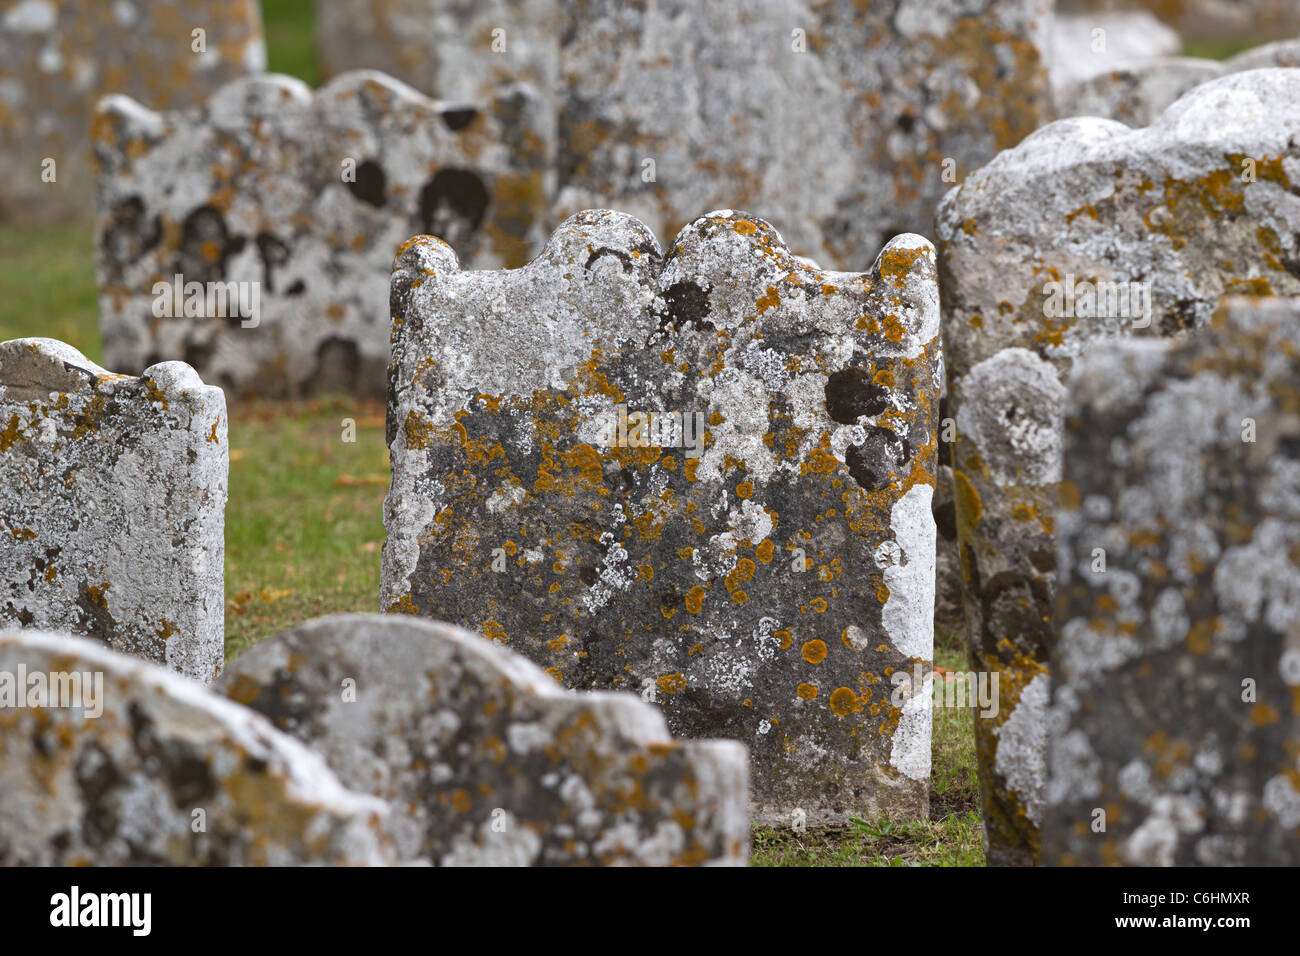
[1087, 229]
[456, 50]
[112, 504]
[1137, 93]
[253, 236]
[841, 122]
[57, 57]
[110, 761]
[1175, 735]
[484, 759]
[705, 477]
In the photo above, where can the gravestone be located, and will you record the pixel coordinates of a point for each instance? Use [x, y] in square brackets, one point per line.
[1136, 93]
[1170, 217]
[112, 504]
[484, 759]
[1175, 726]
[253, 236]
[57, 57]
[704, 477]
[842, 123]
[106, 760]
[1085, 46]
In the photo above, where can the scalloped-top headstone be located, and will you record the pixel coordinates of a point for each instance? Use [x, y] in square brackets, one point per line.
[110, 761]
[704, 477]
[57, 57]
[291, 205]
[112, 504]
[484, 759]
[1176, 700]
[841, 122]
[1174, 216]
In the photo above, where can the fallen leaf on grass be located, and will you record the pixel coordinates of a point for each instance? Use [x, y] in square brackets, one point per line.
[358, 481]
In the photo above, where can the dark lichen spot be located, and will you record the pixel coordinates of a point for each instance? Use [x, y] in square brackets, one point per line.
[880, 457]
[687, 305]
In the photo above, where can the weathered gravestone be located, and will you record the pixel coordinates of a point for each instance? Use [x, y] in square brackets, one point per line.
[1085, 46]
[1137, 93]
[57, 57]
[841, 122]
[110, 761]
[484, 759]
[112, 504]
[1087, 229]
[1175, 727]
[253, 236]
[1210, 19]
[451, 49]
[705, 477]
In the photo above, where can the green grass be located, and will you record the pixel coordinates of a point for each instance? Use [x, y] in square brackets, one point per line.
[47, 274]
[304, 525]
[291, 39]
[1219, 49]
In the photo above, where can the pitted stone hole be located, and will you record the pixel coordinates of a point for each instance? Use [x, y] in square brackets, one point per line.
[453, 205]
[371, 185]
[458, 119]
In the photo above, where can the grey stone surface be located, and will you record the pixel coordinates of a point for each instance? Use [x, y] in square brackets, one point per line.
[302, 199]
[1176, 672]
[486, 760]
[764, 585]
[1084, 46]
[1137, 92]
[841, 146]
[1084, 200]
[106, 760]
[57, 57]
[112, 504]
[444, 48]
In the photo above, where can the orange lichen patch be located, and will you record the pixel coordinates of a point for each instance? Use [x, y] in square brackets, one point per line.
[1261, 715]
[844, 702]
[671, 683]
[968, 500]
[166, 630]
[818, 604]
[694, 600]
[745, 489]
[1200, 636]
[557, 644]
[814, 651]
[783, 639]
[493, 631]
[806, 691]
[768, 301]
[765, 550]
